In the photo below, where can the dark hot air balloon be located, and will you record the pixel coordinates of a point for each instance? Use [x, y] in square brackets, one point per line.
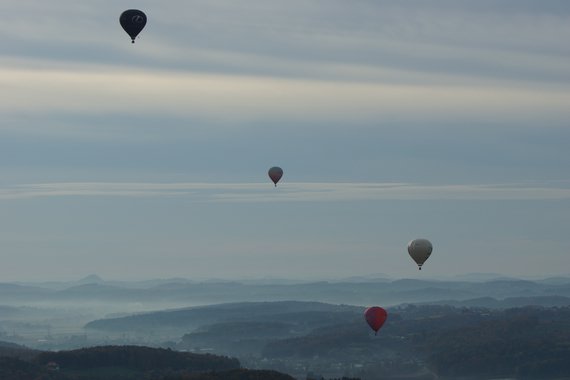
[420, 250]
[375, 317]
[275, 173]
[133, 21]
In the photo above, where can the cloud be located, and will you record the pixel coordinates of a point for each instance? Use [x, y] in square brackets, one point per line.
[513, 38]
[291, 192]
[296, 62]
[238, 99]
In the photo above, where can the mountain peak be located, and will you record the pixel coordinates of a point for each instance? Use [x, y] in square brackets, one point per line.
[91, 279]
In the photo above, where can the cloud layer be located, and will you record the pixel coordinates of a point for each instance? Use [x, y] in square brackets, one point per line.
[290, 192]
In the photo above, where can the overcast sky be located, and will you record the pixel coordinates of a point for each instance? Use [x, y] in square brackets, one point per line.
[392, 120]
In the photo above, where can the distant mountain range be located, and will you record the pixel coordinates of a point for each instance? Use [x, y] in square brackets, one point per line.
[359, 291]
[416, 341]
[291, 327]
[307, 314]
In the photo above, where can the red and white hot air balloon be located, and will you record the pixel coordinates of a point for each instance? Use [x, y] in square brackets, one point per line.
[275, 173]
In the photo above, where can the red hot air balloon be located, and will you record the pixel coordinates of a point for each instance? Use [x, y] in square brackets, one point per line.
[375, 317]
[275, 173]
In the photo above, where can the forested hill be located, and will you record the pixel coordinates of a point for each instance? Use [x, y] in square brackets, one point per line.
[137, 358]
[12, 350]
[312, 314]
[8, 345]
[452, 343]
[526, 343]
[126, 363]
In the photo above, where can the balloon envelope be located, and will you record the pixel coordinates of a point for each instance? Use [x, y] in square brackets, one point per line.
[133, 21]
[275, 173]
[375, 317]
[420, 250]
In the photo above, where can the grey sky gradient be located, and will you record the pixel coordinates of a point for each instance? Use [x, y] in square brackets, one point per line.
[391, 119]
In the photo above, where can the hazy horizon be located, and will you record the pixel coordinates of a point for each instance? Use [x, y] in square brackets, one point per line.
[469, 276]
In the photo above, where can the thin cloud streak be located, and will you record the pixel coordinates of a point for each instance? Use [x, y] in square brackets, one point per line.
[289, 192]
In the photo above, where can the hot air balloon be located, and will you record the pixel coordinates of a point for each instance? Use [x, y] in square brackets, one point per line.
[375, 317]
[133, 21]
[420, 250]
[275, 173]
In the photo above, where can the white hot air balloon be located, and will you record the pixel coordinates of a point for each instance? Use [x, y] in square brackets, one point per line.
[420, 250]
